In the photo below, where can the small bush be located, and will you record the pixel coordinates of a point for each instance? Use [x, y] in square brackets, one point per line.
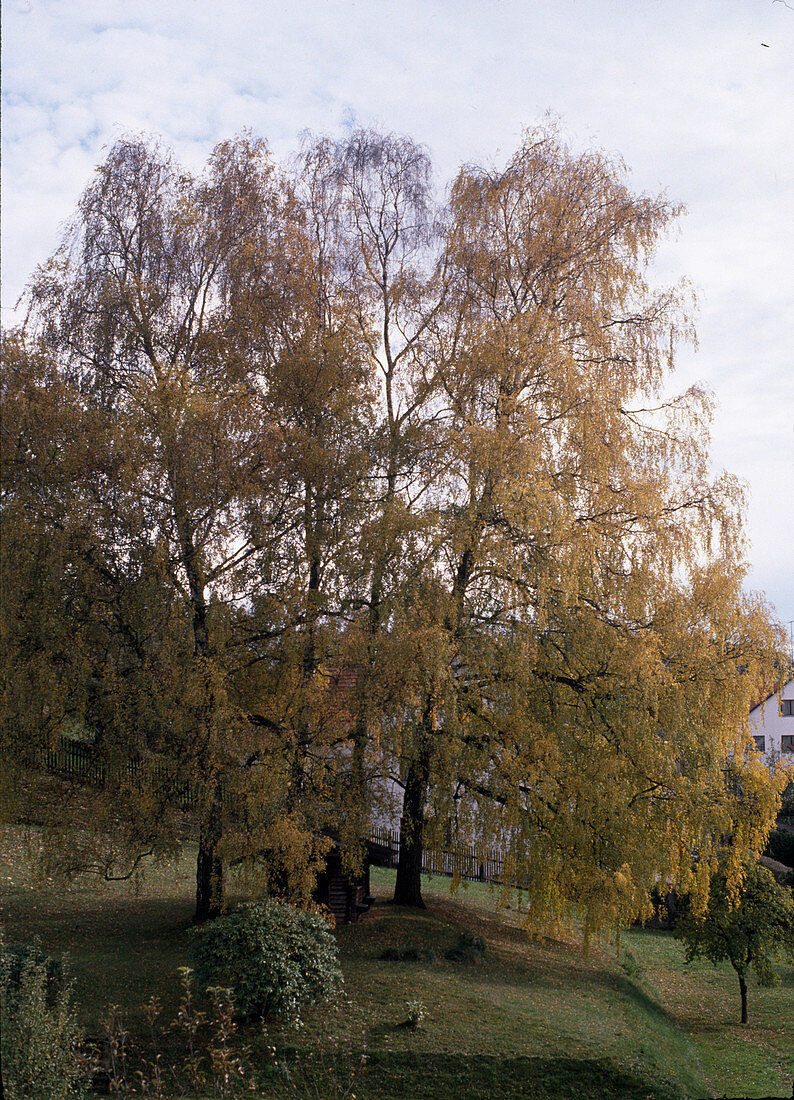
[417, 1012]
[275, 959]
[40, 1033]
[780, 846]
[408, 953]
[787, 802]
[468, 949]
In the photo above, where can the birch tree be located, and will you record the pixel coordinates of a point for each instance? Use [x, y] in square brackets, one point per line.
[588, 569]
[134, 307]
[345, 483]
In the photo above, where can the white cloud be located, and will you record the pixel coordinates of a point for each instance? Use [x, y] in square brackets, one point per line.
[683, 90]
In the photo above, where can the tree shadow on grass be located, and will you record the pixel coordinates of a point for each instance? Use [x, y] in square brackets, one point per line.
[107, 920]
[505, 964]
[121, 950]
[483, 1077]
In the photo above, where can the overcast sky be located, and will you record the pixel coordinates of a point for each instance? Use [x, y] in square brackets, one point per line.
[696, 96]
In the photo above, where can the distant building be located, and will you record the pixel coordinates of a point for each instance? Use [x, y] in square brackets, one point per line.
[772, 725]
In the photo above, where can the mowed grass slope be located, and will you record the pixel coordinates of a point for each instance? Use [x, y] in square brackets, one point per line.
[756, 1060]
[533, 1017]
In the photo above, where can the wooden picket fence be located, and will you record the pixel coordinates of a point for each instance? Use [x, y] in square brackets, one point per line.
[79, 761]
[76, 760]
[472, 862]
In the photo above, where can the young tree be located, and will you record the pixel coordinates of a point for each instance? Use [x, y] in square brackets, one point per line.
[749, 925]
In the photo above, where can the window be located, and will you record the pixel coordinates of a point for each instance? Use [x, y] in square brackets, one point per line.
[787, 708]
[760, 743]
[787, 742]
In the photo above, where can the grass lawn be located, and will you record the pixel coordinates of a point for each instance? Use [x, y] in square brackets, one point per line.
[533, 1018]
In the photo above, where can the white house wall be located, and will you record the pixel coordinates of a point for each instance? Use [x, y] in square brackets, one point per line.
[773, 721]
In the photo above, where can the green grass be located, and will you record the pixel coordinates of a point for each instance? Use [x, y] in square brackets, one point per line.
[757, 1060]
[533, 1018]
[124, 941]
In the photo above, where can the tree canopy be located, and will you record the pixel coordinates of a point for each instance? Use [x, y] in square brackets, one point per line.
[314, 482]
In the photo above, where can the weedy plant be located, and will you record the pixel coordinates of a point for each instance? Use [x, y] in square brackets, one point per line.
[41, 1053]
[194, 1056]
[322, 1073]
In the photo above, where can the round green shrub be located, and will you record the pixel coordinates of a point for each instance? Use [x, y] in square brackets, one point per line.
[277, 960]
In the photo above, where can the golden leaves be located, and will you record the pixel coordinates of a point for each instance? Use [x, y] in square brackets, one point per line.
[312, 426]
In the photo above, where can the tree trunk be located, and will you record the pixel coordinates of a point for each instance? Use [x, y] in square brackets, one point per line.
[209, 865]
[408, 886]
[743, 988]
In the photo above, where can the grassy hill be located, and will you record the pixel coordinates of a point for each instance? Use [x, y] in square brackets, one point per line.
[529, 1018]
